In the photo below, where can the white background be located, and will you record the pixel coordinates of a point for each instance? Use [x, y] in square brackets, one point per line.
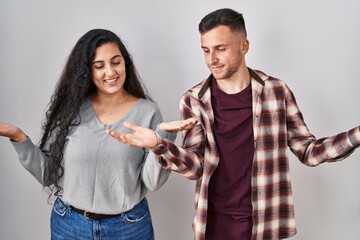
[312, 45]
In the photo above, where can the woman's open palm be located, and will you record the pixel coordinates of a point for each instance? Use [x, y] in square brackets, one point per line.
[145, 137]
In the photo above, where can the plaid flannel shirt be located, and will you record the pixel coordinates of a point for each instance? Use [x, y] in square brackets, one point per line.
[277, 124]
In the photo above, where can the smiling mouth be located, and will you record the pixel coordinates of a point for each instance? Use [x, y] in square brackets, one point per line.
[111, 81]
[216, 68]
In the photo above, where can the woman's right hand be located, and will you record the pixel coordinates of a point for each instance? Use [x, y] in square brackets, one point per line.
[12, 132]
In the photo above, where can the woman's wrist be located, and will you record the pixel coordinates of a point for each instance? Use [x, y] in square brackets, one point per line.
[19, 137]
[155, 142]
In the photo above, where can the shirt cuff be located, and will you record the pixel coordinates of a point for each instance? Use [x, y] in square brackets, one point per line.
[354, 136]
[164, 134]
[23, 146]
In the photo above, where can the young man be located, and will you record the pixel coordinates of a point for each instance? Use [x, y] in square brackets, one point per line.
[236, 151]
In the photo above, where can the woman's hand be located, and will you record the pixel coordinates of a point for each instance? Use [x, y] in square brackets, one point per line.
[145, 137]
[12, 132]
[141, 137]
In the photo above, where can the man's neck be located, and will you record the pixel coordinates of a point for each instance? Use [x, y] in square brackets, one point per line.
[236, 83]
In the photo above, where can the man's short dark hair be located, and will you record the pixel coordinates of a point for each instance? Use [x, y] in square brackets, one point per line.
[224, 16]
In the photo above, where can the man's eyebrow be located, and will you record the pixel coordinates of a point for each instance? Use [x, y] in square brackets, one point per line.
[100, 61]
[217, 46]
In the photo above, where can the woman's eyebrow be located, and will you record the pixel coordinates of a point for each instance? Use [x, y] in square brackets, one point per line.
[100, 61]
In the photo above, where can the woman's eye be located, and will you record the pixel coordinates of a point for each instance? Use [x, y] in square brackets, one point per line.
[98, 66]
[116, 63]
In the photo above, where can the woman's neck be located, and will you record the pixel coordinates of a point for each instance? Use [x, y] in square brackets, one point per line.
[108, 100]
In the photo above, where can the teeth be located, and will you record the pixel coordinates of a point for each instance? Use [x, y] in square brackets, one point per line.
[110, 80]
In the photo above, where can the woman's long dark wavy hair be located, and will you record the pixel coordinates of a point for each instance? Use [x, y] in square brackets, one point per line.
[73, 88]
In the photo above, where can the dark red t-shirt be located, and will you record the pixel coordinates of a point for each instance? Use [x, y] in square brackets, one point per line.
[230, 210]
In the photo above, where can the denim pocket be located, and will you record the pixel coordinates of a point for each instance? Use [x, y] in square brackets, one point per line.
[138, 213]
[60, 207]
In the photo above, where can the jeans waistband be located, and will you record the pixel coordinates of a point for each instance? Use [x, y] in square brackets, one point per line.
[93, 216]
[97, 216]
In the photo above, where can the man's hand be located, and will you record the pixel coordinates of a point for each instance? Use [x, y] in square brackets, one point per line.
[177, 126]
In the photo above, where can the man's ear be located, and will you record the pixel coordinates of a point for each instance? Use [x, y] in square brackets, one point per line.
[245, 46]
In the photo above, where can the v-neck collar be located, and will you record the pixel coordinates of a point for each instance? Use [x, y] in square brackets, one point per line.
[91, 111]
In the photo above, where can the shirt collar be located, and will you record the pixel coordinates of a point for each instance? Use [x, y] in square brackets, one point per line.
[206, 85]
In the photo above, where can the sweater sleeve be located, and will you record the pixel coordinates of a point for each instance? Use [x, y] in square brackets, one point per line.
[188, 159]
[33, 160]
[153, 175]
[312, 151]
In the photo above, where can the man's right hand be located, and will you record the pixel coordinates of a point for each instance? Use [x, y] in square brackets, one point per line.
[177, 126]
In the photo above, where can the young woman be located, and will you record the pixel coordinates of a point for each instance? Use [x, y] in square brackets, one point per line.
[99, 183]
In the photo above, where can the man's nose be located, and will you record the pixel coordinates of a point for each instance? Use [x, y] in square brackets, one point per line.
[213, 57]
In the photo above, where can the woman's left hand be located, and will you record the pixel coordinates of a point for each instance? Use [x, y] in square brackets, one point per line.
[145, 137]
[141, 137]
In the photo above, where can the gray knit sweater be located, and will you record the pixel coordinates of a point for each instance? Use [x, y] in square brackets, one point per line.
[102, 175]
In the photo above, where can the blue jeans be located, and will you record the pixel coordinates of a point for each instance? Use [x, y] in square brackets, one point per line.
[68, 224]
